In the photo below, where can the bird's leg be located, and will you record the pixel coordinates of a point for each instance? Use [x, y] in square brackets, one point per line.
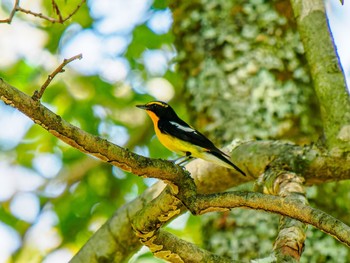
[186, 159]
[178, 159]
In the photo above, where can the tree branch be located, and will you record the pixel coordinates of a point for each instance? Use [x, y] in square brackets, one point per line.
[290, 241]
[162, 244]
[116, 241]
[326, 71]
[56, 9]
[12, 14]
[292, 205]
[313, 163]
[144, 222]
[38, 94]
[284, 206]
[87, 143]
[276, 180]
[173, 249]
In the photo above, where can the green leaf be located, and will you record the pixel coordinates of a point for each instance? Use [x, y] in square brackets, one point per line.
[160, 4]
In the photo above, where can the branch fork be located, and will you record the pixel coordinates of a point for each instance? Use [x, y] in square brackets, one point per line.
[55, 7]
[60, 69]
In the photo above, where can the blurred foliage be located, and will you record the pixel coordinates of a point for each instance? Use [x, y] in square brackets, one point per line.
[82, 199]
[84, 192]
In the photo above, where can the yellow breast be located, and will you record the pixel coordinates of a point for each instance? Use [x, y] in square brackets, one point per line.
[172, 143]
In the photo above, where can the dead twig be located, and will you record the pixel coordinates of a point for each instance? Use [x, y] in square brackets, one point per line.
[38, 94]
[60, 19]
[12, 14]
[57, 10]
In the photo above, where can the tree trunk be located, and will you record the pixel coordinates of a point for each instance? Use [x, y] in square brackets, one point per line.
[245, 70]
[246, 77]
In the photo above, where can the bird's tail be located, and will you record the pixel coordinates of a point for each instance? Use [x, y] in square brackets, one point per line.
[225, 162]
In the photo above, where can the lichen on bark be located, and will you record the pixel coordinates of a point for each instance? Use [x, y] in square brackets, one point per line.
[245, 70]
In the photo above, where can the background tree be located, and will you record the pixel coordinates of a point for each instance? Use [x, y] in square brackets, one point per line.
[244, 74]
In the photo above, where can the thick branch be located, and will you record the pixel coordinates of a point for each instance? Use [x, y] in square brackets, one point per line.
[116, 241]
[88, 143]
[289, 243]
[326, 71]
[162, 244]
[169, 247]
[145, 223]
[284, 206]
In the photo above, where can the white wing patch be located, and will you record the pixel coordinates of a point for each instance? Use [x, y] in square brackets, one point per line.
[186, 129]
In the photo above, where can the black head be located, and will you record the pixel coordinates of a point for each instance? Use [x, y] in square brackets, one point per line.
[159, 108]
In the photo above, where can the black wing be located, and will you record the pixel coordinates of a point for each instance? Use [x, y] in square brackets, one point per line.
[183, 131]
[180, 129]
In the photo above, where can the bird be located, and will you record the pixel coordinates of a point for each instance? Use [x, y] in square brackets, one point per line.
[179, 137]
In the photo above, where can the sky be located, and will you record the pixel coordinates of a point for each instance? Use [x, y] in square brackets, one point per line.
[339, 20]
[116, 20]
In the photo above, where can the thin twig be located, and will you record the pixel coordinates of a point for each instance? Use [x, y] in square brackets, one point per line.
[60, 19]
[40, 15]
[74, 11]
[38, 94]
[57, 10]
[12, 14]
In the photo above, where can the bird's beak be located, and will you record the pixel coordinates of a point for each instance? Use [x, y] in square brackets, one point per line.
[144, 107]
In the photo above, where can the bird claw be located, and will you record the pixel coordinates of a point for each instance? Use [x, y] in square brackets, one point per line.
[183, 162]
